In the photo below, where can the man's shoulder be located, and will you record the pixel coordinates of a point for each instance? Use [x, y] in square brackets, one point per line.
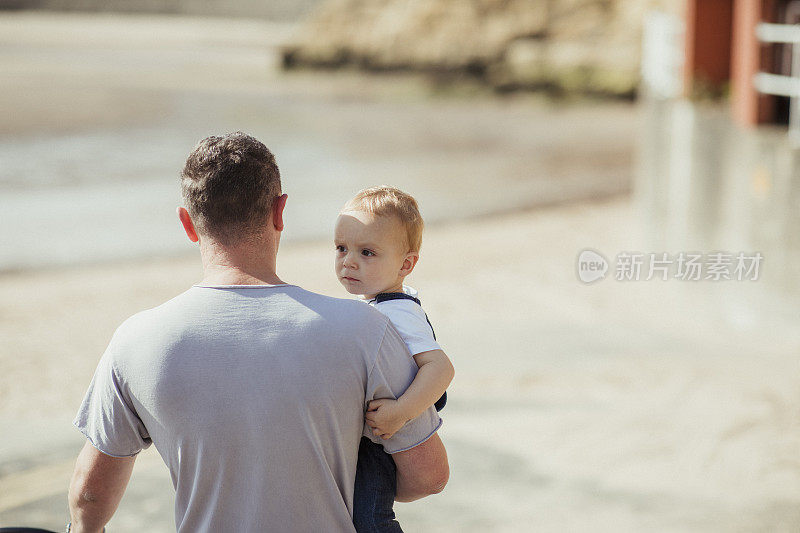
[192, 302]
[152, 319]
[344, 309]
[192, 308]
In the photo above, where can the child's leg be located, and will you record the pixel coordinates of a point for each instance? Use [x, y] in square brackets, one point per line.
[376, 484]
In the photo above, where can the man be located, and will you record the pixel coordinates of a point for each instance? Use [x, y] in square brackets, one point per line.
[252, 390]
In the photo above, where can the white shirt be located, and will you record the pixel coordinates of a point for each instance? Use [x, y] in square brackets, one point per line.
[410, 321]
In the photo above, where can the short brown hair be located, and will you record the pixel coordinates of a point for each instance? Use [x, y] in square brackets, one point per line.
[228, 184]
[388, 201]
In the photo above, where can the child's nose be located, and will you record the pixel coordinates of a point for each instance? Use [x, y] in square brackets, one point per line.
[350, 262]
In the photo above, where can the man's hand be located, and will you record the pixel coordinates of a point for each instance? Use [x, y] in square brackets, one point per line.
[96, 488]
[385, 417]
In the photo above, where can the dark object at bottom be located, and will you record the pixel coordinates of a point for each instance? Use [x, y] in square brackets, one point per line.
[24, 530]
[441, 402]
[376, 485]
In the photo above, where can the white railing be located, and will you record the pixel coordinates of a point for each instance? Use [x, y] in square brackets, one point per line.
[780, 85]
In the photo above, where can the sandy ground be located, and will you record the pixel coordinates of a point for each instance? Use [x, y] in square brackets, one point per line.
[640, 406]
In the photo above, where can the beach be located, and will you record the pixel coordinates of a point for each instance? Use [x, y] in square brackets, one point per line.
[575, 407]
[620, 406]
[101, 107]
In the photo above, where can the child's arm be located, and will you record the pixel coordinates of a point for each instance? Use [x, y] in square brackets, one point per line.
[435, 373]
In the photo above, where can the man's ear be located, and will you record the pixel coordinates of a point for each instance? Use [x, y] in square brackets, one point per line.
[277, 211]
[409, 263]
[188, 225]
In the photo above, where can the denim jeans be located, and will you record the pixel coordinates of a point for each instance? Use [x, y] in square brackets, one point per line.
[376, 484]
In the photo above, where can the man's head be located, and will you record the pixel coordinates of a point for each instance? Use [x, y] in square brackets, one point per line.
[229, 186]
[378, 236]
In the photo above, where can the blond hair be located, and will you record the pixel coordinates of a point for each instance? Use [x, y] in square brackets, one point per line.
[387, 201]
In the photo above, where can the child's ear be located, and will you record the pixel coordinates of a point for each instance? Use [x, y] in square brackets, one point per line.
[409, 263]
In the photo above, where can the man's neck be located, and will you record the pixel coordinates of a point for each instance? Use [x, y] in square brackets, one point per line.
[241, 265]
[234, 276]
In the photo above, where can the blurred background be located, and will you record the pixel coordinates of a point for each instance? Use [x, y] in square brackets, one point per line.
[529, 132]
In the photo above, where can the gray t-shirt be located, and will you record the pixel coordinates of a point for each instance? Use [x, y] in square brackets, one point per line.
[254, 396]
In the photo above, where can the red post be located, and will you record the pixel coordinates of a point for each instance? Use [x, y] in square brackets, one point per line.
[748, 106]
[708, 45]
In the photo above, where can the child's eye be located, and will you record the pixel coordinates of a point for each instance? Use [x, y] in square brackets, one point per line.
[368, 253]
[339, 248]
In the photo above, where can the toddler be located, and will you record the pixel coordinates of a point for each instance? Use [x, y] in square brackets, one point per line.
[378, 236]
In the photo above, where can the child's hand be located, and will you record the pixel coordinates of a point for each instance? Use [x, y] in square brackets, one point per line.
[384, 417]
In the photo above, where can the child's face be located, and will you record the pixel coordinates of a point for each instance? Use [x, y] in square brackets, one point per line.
[370, 253]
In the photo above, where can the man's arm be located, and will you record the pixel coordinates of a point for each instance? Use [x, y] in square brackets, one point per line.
[418, 452]
[96, 489]
[422, 470]
[386, 416]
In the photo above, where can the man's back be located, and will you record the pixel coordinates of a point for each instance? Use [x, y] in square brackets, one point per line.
[254, 397]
